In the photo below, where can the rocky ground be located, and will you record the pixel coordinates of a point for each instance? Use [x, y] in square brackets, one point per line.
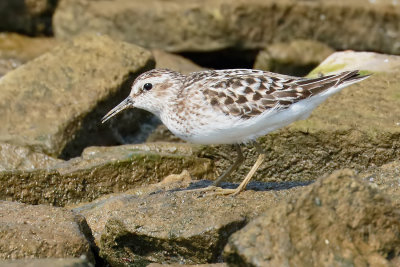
[75, 192]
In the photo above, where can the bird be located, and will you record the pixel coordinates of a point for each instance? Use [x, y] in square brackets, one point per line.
[232, 106]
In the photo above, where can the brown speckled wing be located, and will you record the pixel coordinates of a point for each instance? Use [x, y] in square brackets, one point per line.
[248, 93]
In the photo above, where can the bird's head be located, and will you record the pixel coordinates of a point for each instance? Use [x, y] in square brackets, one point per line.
[150, 91]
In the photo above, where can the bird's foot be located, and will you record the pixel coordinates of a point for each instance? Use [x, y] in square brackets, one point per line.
[225, 192]
[216, 191]
[203, 189]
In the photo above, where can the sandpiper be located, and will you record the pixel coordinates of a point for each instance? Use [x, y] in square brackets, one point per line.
[230, 106]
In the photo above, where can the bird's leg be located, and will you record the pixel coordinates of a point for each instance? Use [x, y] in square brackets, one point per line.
[248, 177]
[260, 159]
[239, 160]
[233, 167]
[243, 184]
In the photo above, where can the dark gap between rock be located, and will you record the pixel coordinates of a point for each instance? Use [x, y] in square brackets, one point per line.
[235, 58]
[223, 59]
[130, 126]
[173, 250]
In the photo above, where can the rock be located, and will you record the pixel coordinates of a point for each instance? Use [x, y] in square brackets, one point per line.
[63, 262]
[387, 179]
[24, 48]
[100, 171]
[17, 49]
[43, 232]
[54, 103]
[294, 58]
[22, 158]
[165, 60]
[365, 61]
[177, 26]
[165, 224]
[357, 128]
[191, 265]
[337, 221]
[7, 65]
[26, 16]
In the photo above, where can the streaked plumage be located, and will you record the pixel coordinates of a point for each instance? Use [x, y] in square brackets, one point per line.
[230, 106]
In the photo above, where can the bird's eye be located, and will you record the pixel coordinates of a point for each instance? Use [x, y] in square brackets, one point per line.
[147, 86]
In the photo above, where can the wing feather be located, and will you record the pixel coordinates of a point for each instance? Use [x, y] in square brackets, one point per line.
[248, 93]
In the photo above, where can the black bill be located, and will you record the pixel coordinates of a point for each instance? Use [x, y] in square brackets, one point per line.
[127, 103]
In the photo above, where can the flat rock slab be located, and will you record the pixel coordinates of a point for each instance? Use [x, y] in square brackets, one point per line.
[43, 232]
[52, 103]
[63, 262]
[100, 171]
[364, 61]
[191, 265]
[358, 128]
[24, 48]
[211, 25]
[338, 221]
[14, 157]
[167, 225]
[16, 49]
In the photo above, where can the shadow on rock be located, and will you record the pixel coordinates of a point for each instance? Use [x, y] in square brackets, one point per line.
[256, 186]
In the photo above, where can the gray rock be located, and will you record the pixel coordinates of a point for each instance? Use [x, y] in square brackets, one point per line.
[364, 61]
[24, 159]
[296, 58]
[41, 231]
[7, 65]
[211, 25]
[166, 224]
[337, 221]
[16, 50]
[99, 171]
[63, 262]
[387, 179]
[24, 48]
[54, 103]
[184, 265]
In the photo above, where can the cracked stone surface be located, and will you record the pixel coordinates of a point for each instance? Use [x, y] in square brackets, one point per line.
[41, 231]
[62, 262]
[210, 25]
[339, 220]
[99, 171]
[165, 223]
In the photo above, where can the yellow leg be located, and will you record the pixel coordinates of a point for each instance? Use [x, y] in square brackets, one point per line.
[243, 184]
[246, 180]
[234, 166]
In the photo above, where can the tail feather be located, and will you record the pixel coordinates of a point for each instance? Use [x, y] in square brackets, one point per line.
[352, 77]
[322, 84]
